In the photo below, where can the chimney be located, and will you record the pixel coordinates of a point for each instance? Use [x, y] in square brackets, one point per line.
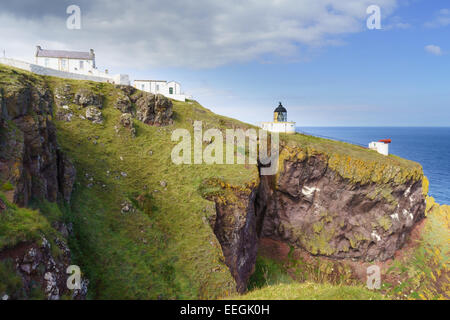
[92, 54]
[38, 48]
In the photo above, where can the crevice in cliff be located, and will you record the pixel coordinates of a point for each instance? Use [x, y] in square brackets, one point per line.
[310, 206]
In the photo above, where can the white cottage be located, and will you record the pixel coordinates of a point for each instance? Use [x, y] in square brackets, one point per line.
[73, 65]
[381, 146]
[280, 123]
[68, 61]
[170, 89]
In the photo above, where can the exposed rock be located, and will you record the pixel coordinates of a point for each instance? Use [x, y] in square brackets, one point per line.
[235, 226]
[126, 121]
[155, 110]
[63, 95]
[85, 98]
[63, 114]
[66, 176]
[94, 114]
[127, 207]
[314, 208]
[163, 184]
[40, 268]
[123, 103]
[29, 153]
[5, 297]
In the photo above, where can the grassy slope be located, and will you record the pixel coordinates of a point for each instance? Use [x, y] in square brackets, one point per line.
[311, 291]
[166, 249]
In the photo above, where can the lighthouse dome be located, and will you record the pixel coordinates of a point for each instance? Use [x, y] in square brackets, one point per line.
[280, 114]
[280, 109]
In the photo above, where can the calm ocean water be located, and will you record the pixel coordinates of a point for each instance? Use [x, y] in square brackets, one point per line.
[428, 146]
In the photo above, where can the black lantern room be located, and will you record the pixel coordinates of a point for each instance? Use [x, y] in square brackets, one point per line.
[280, 114]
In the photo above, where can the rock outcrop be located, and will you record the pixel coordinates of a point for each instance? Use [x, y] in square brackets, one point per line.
[40, 269]
[30, 158]
[235, 227]
[151, 109]
[312, 207]
[311, 204]
[86, 98]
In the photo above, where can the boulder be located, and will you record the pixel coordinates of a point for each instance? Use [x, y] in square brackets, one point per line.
[85, 97]
[63, 95]
[123, 103]
[126, 121]
[94, 114]
[155, 110]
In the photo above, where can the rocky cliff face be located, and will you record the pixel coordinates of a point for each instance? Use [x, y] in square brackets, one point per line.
[32, 166]
[313, 204]
[309, 205]
[235, 228]
[151, 109]
[30, 158]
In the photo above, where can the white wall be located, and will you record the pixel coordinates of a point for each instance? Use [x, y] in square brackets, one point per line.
[99, 77]
[380, 147]
[281, 127]
[161, 87]
[71, 65]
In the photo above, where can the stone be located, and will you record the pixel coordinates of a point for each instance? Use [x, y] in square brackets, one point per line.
[155, 110]
[163, 184]
[5, 297]
[26, 268]
[85, 98]
[127, 207]
[94, 115]
[123, 103]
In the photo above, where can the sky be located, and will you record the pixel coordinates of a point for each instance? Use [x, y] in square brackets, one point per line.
[240, 58]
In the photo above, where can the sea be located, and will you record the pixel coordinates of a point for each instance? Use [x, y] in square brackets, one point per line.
[430, 146]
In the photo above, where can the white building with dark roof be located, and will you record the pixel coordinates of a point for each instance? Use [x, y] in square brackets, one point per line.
[68, 61]
[171, 89]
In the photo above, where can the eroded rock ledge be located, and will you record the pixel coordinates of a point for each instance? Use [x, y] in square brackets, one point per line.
[309, 205]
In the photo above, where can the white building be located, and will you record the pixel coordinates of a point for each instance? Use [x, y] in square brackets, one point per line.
[69, 61]
[170, 89]
[280, 123]
[381, 146]
[75, 62]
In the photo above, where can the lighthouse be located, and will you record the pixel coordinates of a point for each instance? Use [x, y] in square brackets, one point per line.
[280, 122]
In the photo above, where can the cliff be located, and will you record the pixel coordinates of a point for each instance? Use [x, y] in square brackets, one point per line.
[95, 159]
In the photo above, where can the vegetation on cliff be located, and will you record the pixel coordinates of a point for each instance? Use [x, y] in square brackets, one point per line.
[142, 226]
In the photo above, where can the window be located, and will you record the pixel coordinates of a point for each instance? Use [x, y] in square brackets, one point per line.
[81, 65]
[170, 90]
[157, 88]
[63, 64]
[143, 86]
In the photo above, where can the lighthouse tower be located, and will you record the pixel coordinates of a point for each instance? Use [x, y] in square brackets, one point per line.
[280, 123]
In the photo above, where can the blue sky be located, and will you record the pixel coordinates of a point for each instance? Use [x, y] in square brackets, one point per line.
[376, 78]
[239, 58]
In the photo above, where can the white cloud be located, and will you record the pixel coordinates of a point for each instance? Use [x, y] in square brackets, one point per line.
[442, 19]
[195, 34]
[436, 50]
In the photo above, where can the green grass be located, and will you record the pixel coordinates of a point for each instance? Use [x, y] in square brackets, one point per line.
[166, 249]
[10, 281]
[20, 225]
[355, 163]
[268, 272]
[311, 291]
[425, 273]
[7, 186]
